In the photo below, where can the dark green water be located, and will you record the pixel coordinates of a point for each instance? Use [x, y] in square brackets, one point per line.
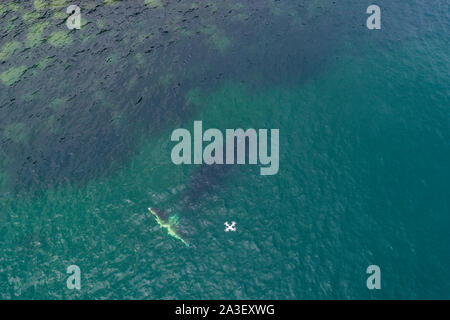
[85, 124]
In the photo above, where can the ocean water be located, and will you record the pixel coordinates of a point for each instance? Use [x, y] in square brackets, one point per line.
[85, 123]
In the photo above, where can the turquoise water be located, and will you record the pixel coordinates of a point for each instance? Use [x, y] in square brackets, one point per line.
[85, 124]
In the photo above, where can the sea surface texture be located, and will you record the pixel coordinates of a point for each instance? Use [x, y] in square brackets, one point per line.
[86, 118]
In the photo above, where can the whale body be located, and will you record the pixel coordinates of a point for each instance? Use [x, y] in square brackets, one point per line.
[164, 221]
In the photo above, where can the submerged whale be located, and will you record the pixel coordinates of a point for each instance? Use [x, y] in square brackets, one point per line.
[167, 222]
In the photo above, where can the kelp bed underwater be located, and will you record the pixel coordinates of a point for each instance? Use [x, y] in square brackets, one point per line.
[75, 106]
[134, 67]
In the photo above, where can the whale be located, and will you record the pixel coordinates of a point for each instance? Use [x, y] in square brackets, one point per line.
[167, 222]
